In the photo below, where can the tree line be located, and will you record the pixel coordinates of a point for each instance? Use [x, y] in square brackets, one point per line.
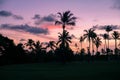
[60, 51]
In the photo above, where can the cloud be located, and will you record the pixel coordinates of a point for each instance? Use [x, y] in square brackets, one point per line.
[103, 27]
[48, 18]
[17, 17]
[4, 13]
[26, 28]
[36, 16]
[116, 4]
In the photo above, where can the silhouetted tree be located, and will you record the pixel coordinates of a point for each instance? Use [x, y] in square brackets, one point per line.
[30, 44]
[115, 36]
[98, 42]
[37, 47]
[105, 37]
[93, 36]
[21, 53]
[64, 40]
[89, 35]
[108, 29]
[51, 45]
[66, 18]
[8, 50]
[82, 38]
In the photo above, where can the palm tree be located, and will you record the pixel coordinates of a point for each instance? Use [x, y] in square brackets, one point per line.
[105, 37]
[108, 29]
[81, 40]
[38, 46]
[51, 45]
[64, 39]
[97, 42]
[93, 36]
[89, 35]
[30, 44]
[66, 18]
[115, 36]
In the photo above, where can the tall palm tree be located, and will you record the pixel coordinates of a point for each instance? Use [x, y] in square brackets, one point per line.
[81, 40]
[66, 18]
[93, 36]
[64, 39]
[108, 29]
[105, 37]
[89, 35]
[97, 42]
[115, 36]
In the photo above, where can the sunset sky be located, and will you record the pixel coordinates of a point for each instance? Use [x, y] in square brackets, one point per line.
[25, 19]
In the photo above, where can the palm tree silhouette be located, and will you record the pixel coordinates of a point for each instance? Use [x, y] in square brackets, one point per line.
[51, 45]
[105, 37]
[38, 46]
[89, 35]
[97, 42]
[115, 36]
[64, 39]
[63, 42]
[66, 18]
[108, 29]
[93, 36]
[30, 44]
[81, 40]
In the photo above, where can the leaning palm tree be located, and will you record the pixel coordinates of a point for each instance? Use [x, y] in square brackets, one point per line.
[64, 39]
[89, 35]
[115, 36]
[81, 40]
[66, 18]
[97, 42]
[108, 29]
[105, 37]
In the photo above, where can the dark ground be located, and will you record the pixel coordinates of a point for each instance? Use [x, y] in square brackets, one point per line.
[56, 71]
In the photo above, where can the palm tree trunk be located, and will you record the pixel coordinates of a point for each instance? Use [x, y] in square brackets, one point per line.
[108, 40]
[115, 43]
[89, 46]
[92, 48]
[96, 49]
[81, 45]
[63, 27]
[115, 46]
[105, 45]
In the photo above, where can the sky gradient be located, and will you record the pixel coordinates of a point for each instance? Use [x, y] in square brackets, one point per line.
[24, 19]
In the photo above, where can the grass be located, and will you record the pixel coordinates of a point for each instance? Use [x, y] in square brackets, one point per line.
[57, 71]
